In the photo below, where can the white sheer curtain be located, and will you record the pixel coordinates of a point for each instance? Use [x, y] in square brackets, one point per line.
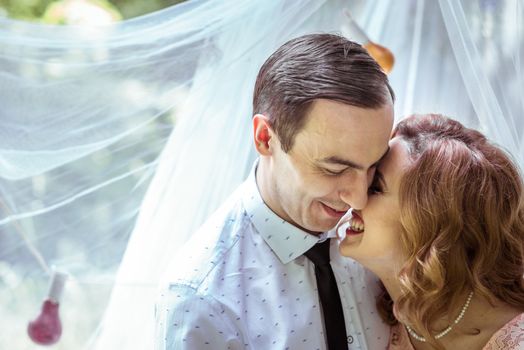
[91, 118]
[209, 153]
[487, 38]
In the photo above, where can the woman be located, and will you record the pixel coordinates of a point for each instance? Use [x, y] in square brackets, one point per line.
[444, 231]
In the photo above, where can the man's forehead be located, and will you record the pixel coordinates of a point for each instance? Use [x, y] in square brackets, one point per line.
[344, 136]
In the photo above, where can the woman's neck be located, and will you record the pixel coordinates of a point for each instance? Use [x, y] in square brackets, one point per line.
[388, 275]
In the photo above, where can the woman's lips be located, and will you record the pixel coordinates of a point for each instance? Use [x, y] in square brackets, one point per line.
[348, 225]
[351, 232]
[356, 224]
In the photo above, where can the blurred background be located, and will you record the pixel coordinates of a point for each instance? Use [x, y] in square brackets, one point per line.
[28, 248]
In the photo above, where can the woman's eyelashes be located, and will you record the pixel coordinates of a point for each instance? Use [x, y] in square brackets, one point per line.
[376, 185]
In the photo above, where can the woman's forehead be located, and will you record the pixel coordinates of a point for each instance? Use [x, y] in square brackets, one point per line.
[396, 161]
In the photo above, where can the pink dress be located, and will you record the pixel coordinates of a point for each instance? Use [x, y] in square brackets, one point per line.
[509, 337]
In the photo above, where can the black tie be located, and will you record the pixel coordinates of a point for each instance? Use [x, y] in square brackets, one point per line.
[329, 297]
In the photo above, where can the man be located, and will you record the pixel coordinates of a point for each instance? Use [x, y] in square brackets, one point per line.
[323, 113]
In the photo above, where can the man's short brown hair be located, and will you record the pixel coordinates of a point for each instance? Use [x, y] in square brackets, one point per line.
[316, 66]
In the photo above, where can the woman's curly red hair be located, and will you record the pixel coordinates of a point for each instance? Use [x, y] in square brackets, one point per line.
[462, 213]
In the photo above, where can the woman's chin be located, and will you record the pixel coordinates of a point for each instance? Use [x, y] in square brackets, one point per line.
[349, 245]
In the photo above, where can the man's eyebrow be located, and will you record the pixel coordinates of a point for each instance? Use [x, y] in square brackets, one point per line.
[339, 161]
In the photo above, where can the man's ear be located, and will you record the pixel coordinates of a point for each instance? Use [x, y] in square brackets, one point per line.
[262, 134]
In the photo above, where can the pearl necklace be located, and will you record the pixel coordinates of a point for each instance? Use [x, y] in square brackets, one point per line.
[450, 327]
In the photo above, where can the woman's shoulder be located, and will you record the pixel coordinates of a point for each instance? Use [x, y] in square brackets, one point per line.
[509, 337]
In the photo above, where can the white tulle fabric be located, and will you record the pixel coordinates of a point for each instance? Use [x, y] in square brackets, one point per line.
[146, 125]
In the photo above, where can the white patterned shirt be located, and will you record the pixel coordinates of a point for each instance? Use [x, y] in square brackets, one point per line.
[242, 282]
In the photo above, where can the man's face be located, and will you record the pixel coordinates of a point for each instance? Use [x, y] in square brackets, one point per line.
[331, 164]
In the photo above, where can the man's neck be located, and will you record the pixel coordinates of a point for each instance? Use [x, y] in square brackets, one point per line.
[267, 191]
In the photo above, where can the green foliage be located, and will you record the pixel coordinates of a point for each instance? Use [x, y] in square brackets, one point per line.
[29, 10]
[134, 8]
[34, 10]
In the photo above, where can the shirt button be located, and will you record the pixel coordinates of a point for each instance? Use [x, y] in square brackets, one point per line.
[350, 339]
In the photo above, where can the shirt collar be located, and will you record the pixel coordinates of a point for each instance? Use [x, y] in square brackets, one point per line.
[286, 240]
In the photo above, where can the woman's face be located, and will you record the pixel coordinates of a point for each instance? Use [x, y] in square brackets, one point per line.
[373, 237]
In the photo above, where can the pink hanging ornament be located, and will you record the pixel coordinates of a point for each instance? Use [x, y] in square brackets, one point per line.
[46, 329]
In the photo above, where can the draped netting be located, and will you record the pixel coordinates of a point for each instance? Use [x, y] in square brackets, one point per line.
[117, 141]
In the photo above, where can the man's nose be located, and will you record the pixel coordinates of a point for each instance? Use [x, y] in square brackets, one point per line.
[355, 192]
